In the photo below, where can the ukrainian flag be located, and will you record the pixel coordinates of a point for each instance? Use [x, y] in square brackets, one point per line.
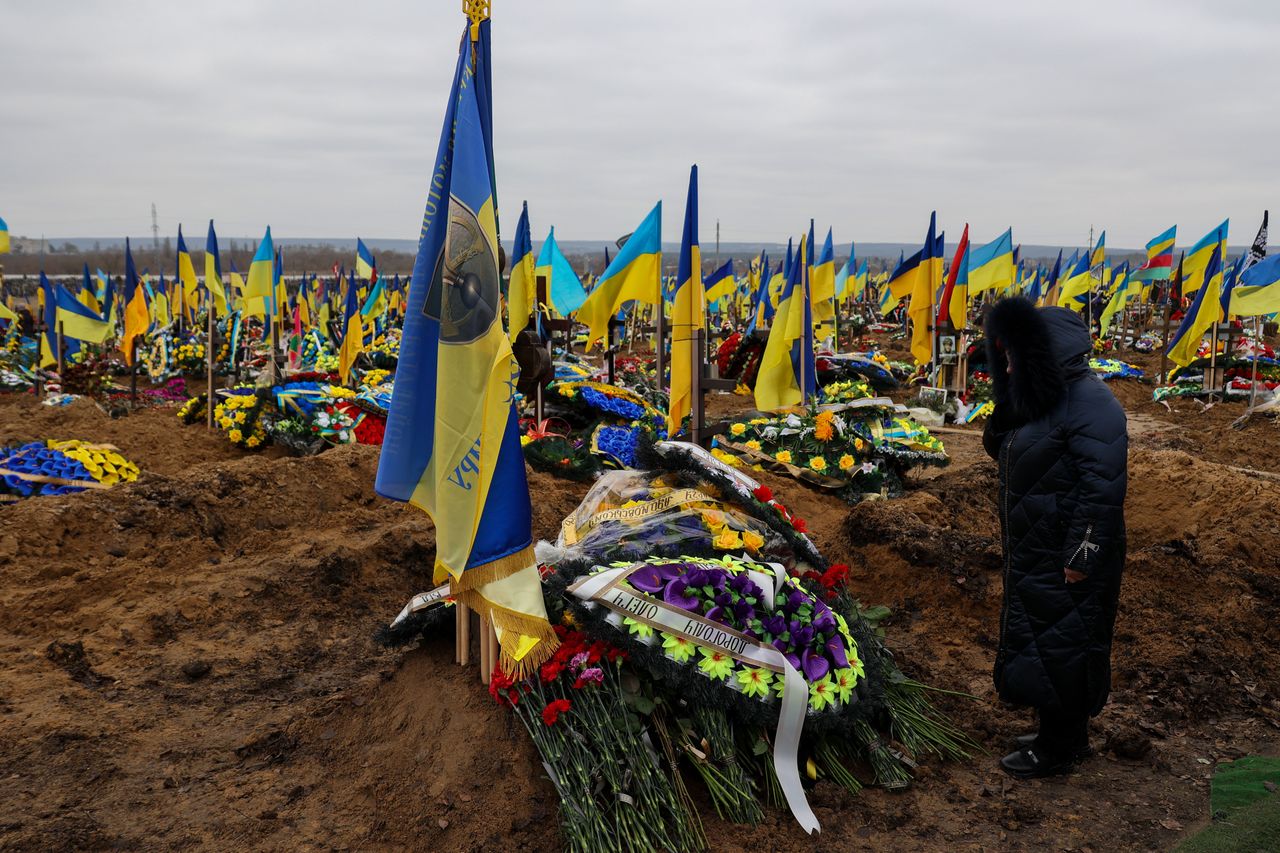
[927, 280]
[1197, 260]
[4, 237]
[991, 266]
[1121, 294]
[136, 316]
[846, 272]
[77, 320]
[521, 292]
[366, 266]
[688, 313]
[777, 381]
[1258, 291]
[352, 336]
[1205, 310]
[260, 288]
[1077, 286]
[823, 278]
[1099, 255]
[49, 335]
[187, 276]
[376, 305]
[564, 288]
[213, 272]
[720, 283]
[634, 275]
[452, 445]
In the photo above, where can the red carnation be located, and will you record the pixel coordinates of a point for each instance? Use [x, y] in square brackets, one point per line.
[799, 525]
[552, 712]
[764, 494]
[551, 670]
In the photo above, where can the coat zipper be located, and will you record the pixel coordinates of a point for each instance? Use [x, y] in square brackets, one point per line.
[1085, 545]
[1004, 533]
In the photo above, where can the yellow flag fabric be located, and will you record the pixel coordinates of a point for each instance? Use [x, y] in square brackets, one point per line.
[689, 313]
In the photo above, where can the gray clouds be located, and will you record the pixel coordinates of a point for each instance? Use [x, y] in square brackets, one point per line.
[321, 117]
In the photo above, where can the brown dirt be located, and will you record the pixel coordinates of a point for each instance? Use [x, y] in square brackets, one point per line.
[303, 734]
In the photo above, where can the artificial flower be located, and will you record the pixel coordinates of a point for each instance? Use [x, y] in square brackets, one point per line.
[235, 435]
[783, 456]
[822, 693]
[818, 464]
[753, 445]
[715, 664]
[752, 540]
[678, 648]
[737, 429]
[640, 629]
[822, 427]
[754, 681]
[727, 540]
[844, 681]
[847, 462]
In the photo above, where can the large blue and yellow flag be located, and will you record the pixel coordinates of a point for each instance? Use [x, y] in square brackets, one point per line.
[1205, 310]
[4, 237]
[926, 282]
[720, 283]
[259, 289]
[366, 266]
[521, 292]
[1121, 293]
[136, 315]
[688, 313]
[213, 272]
[76, 320]
[49, 337]
[186, 279]
[1099, 255]
[822, 278]
[1077, 286]
[991, 266]
[352, 335]
[1258, 290]
[634, 275]
[778, 381]
[1197, 257]
[564, 288]
[452, 446]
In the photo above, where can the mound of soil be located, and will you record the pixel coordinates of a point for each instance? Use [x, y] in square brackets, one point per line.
[189, 659]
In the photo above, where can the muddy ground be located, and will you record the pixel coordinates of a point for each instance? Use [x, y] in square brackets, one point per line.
[188, 660]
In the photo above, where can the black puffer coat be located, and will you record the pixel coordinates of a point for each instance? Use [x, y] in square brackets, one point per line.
[1061, 440]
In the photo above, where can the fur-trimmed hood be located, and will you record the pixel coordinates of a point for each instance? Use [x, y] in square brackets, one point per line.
[1048, 348]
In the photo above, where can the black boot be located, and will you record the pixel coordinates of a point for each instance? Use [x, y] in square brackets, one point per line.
[1028, 740]
[1030, 763]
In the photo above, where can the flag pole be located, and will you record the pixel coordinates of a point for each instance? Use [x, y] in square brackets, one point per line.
[208, 351]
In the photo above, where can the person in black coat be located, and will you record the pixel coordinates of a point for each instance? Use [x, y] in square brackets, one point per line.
[1061, 441]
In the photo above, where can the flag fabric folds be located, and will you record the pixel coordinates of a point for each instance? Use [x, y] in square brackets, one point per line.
[1077, 285]
[720, 283]
[366, 266]
[991, 267]
[77, 320]
[1197, 257]
[136, 316]
[1159, 263]
[777, 380]
[633, 275]
[1258, 250]
[954, 304]
[521, 294]
[213, 272]
[259, 289]
[688, 312]
[927, 280]
[186, 277]
[352, 335]
[564, 288]
[4, 237]
[1205, 310]
[1258, 290]
[452, 444]
[823, 280]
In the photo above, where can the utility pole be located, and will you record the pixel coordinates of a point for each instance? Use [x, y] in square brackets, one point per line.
[155, 234]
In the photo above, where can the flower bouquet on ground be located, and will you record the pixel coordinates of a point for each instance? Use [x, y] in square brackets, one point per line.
[240, 416]
[604, 420]
[61, 468]
[1113, 368]
[859, 448]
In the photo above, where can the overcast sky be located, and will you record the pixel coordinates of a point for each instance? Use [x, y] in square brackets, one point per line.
[321, 117]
